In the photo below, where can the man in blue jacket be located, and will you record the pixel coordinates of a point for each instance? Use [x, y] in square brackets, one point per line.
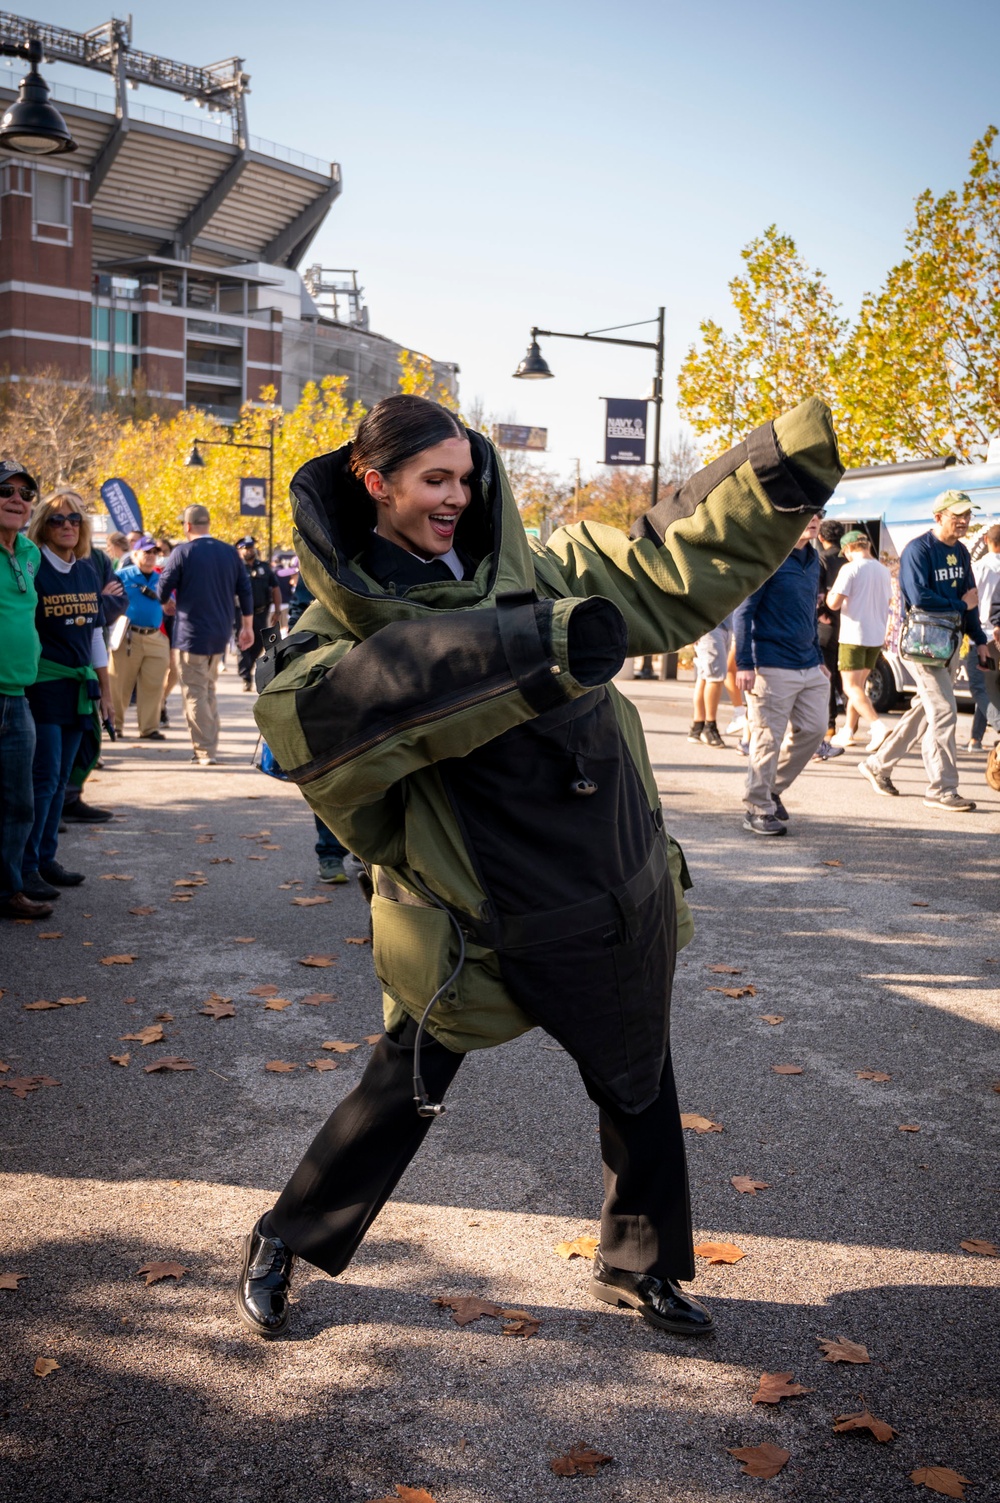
[935, 574]
[206, 575]
[780, 668]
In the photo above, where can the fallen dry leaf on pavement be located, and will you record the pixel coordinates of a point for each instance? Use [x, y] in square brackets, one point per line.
[182, 897]
[941, 1479]
[735, 991]
[580, 1461]
[748, 1186]
[872, 1075]
[309, 902]
[831, 863]
[156, 1271]
[863, 1421]
[725, 970]
[771, 1017]
[315, 998]
[787, 1069]
[50, 934]
[120, 1059]
[143, 912]
[117, 877]
[192, 882]
[152, 1034]
[3, 1067]
[364, 940]
[11, 1280]
[221, 861]
[843, 1351]
[580, 1247]
[372, 1038]
[719, 1252]
[909, 1127]
[169, 1062]
[520, 1323]
[23, 1085]
[216, 1007]
[244, 939]
[774, 1387]
[41, 1006]
[276, 1004]
[70, 1001]
[318, 960]
[765, 1460]
[118, 959]
[127, 1000]
[339, 1047]
[165, 1017]
[920, 905]
[978, 1245]
[466, 1308]
[322, 1064]
[699, 1124]
[280, 1066]
[263, 991]
[44, 1366]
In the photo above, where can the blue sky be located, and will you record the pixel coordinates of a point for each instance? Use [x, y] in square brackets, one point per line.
[574, 164]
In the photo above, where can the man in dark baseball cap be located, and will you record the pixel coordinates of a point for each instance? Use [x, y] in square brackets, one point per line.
[266, 599]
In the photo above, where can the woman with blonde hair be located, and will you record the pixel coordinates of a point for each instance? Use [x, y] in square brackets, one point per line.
[72, 687]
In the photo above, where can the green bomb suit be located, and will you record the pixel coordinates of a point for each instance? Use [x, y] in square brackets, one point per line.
[463, 738]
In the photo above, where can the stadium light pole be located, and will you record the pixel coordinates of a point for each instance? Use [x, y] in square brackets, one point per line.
[534, 367]
[194, 461]
[32, 125]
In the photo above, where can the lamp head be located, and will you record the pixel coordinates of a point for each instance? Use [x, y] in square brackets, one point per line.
[534, 366]
[33, 126]
[194, 460]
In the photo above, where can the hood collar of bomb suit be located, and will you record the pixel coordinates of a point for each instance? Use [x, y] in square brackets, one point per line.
[333, 516]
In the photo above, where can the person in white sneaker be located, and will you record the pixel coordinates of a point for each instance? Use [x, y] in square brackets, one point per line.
[935, 576]
[861, 593]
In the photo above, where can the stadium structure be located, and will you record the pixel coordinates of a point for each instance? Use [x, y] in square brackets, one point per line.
[165, 251]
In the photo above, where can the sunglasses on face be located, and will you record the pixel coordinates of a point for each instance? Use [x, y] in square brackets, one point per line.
[65, 519]
[26, 492]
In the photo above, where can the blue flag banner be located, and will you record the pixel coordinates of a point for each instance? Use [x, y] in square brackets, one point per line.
[253, 496]
[625, 431]
[123, 507]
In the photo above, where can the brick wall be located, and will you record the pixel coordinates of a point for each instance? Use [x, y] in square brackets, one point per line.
[45, 272]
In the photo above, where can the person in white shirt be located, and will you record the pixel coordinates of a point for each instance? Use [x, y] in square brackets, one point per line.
[983, 685]
[861, 593]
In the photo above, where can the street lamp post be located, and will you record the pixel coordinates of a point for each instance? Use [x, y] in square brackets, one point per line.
[534, 367]
[33, 126]
[195, 461]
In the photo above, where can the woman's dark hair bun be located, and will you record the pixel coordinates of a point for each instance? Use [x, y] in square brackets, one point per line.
[397, 429]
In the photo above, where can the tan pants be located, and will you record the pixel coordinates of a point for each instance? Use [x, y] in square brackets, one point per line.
[780, 697]
[198, 671]
[173, 677]
[931, 718]
[140, 663]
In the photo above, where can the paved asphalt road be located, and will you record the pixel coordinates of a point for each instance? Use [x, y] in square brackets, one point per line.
[871, 930]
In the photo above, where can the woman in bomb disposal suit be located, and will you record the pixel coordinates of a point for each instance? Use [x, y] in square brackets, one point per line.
[446, 707]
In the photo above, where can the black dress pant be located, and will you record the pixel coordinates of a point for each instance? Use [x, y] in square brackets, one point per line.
[249, 655]
[357, 1159]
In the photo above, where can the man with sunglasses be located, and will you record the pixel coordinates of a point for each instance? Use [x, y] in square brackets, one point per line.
[18, 667]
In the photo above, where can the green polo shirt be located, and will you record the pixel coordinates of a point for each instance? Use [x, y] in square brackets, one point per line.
[19, 659]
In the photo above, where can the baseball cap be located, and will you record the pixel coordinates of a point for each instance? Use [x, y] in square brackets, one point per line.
[10, 467]
[857, 536]
[145, 544]
[247, 542]
[956, 501]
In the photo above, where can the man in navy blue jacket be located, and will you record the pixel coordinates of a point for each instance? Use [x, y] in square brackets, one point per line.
[935, 574]
[780, 668]
[206, 575]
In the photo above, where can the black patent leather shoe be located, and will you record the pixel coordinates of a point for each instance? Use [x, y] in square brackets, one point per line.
[57, 875]
[265, 1279]
[659, 1301]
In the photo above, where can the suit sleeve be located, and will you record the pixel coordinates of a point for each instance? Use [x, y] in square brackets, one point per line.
[347, 720]
[701, 551]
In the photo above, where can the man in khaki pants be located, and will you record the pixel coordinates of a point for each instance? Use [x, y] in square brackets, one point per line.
[140, 653]
[780, 668]
[206, 575]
